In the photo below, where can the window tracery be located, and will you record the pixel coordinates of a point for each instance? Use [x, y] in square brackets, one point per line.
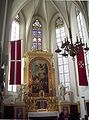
[63, 66]
[36, 35]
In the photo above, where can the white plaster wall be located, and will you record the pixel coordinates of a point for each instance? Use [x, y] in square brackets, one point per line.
[17, 6]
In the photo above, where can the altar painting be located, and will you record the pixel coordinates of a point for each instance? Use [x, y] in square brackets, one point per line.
[40, 76]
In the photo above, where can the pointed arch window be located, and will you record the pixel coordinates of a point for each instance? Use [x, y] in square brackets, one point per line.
[63, 66]
[15, 29]
[36, 35]
[15, 35]
[84, 36]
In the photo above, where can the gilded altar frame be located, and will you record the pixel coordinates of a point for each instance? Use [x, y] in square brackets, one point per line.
[29, 58]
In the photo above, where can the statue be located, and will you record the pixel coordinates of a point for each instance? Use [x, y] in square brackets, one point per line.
[23, 90]
[61, 91]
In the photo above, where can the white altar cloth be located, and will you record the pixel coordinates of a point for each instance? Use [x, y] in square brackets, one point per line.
[43, 114]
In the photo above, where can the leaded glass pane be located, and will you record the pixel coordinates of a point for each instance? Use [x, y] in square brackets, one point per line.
[57, 31]
[67, 78]
[39, 45]
[62, 62]
[65, 60]
[58, 39]
[58, 35]
[37, 35]
[37, 24]
[61, 69]
[62, 30]
[62, 39]
[61, 78]
[66, 70]
[39, 40]
[63, 34]
[34, 39]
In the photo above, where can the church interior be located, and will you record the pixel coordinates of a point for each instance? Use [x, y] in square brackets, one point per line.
[44, 59]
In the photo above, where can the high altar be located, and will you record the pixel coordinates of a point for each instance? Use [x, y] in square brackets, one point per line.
[39, 76]
[37, 96]
[40, 94]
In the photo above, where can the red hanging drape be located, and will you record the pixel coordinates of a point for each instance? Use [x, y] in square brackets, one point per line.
[18, 72]
[81, 67]
[19, 50]
[15, 64]
[12, 50]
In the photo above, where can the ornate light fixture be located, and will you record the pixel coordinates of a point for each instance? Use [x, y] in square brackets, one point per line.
[69, 47]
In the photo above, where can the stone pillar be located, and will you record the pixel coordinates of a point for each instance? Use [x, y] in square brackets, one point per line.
[3, 8]
[2, 16]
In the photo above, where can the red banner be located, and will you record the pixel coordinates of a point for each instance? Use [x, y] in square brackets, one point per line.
[19, 50]
[18, 72]
[12, 72]
[81, 67]
[12, 50]
[15, 64]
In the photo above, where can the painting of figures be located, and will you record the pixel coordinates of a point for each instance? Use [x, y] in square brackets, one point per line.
[39, 76]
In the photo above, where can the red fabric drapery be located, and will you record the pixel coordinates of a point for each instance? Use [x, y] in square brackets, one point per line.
[19, 50]
[12, 72]
[81, 67]
[18, 72]
[15, 64]
[12, 50]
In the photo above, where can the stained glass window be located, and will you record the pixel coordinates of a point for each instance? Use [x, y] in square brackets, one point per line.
[37, 35]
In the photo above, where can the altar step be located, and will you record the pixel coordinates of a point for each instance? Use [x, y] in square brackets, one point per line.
[45, 115]
[43, 118]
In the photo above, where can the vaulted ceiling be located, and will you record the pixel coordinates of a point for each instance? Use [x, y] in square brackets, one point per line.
[46, 9]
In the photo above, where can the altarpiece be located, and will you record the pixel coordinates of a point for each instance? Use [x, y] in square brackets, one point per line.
[39, 77]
